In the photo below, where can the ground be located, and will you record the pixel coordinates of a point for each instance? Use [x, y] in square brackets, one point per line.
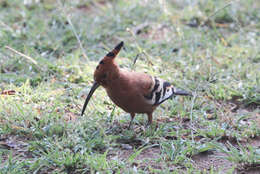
[49, 50]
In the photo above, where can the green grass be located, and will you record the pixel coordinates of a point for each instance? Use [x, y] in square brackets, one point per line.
[208, 47]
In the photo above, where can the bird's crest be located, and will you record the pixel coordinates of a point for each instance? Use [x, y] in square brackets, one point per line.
[112, 54]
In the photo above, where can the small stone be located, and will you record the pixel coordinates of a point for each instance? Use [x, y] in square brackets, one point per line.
[126, 146]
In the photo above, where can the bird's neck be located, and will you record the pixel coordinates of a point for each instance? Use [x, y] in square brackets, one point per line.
[115, 72]
[114, 75]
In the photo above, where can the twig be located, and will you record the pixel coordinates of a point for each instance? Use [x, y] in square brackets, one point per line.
[191, 111]
[76, 35]
[23, 55]
[213, 14]
[136, 57]
[141, 50]
[6, 26]
[74, 31]
[225, 6]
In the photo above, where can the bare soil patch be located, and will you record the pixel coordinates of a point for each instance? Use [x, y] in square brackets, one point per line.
[14, 144]
[205, 161]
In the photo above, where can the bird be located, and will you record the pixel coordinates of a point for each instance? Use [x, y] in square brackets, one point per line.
[134, 92]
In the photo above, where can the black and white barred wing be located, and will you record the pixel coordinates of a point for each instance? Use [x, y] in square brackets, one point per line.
[161, 91]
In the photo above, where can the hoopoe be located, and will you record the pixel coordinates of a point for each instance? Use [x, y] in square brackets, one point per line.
[134, 92]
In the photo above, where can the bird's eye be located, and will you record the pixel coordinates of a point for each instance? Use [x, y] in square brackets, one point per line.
[104, 76]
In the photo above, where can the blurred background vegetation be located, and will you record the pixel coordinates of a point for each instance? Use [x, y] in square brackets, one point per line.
[49, 50]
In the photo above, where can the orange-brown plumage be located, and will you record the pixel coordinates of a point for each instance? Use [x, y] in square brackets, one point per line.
[134, 92]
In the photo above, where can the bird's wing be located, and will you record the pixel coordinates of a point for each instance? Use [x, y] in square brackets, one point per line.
[154, 90]
[161, 90]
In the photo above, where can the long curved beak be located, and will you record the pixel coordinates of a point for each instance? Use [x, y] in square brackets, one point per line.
[91, 92]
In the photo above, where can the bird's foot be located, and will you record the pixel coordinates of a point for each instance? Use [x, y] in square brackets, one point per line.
[148, 124]
[130, 125]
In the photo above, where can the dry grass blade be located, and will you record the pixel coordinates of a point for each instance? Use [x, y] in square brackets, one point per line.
[73, 30]
[21, 54]
[30, 59]
[216, 12]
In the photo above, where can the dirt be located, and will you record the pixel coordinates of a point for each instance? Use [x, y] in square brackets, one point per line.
[202, 161]
[151, 153]
[147, 158]
[205, 161]
[144, 160]
[91, 7]
[152, 30]
[16, 145]
[255, 142]
[240, 104]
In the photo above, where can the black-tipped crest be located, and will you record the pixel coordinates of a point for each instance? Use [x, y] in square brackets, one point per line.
[110, 54]
[115, 51]
[119, 46]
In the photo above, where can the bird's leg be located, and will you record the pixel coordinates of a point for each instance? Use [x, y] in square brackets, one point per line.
[132, 118]
[150, 119]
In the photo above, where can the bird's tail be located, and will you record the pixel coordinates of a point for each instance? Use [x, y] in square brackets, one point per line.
[181, 92]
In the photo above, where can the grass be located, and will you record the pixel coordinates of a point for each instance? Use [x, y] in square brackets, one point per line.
[49, 50]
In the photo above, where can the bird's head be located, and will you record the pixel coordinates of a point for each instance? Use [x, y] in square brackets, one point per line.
[105, 71]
